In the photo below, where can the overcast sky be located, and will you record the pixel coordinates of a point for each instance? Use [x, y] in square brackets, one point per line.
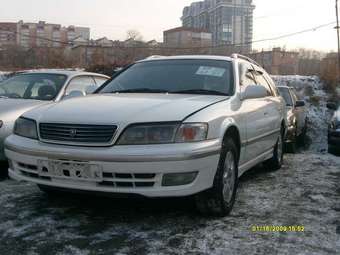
[112, 18]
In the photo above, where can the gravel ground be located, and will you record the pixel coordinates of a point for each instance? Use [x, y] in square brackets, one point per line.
[305, 192]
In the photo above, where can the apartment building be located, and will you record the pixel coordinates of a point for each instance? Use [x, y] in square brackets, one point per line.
[41, 34]
[229, 21]
[187, 37]
[7, 33]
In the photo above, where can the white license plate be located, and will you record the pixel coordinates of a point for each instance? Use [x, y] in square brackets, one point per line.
[70, 170]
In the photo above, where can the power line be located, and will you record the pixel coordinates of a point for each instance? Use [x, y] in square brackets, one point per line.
[71, 43]
[246, 43]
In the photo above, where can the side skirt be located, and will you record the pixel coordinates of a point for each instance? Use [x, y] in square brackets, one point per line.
[259, 159]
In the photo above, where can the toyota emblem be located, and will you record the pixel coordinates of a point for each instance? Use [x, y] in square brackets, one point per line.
[73, 133]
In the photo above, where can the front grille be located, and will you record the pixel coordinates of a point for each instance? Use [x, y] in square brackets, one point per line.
[75, 133]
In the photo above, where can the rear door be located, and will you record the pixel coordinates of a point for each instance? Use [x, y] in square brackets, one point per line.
[272, 113]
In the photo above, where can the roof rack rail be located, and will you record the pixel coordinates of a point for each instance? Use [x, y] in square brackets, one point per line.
[154, 57]
[235, 55]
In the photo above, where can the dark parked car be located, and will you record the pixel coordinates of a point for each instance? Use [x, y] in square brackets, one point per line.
[296, 116]
[334, 128]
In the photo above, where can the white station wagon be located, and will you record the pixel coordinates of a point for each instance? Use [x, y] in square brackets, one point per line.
[163, 127]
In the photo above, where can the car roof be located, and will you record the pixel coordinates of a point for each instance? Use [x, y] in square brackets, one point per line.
[184, 57]
[69, 73]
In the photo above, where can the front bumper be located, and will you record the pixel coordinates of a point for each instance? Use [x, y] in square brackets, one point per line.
[334, 138]
[291, 134]
[152, 161]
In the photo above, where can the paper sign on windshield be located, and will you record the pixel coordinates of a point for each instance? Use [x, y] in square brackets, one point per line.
[211, 71]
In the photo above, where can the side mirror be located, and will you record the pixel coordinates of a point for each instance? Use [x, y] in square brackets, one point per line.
[75, 93]
[253, 92]
[332, 106]
[300, 103]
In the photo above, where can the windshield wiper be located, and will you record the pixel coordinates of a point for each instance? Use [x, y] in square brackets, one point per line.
[141, 90]
[200, 91]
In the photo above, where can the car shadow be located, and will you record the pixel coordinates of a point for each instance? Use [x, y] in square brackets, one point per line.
[131, 205]
[334, 151]
[3, 171]
[104, 205]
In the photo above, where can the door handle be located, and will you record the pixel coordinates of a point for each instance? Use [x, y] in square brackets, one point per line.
[266, 113]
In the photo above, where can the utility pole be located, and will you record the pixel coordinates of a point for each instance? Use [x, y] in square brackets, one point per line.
[338, 34]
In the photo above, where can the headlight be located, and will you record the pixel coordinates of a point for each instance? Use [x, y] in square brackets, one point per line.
[163, 133]
[192, 132]
[335, 123]
[26, 128]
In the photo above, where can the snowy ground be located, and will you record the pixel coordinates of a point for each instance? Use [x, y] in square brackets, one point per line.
[304, 192]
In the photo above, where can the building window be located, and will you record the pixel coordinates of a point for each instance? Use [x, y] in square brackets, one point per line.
[227, 28]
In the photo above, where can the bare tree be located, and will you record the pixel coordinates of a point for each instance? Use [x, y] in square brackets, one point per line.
[134, 35]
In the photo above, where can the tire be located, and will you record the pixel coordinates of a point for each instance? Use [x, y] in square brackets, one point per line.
[291, 147]
[220, 199]
[302, 137]
[275, 163]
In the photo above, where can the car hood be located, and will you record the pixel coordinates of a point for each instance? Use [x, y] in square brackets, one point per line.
[124, 108]
[11, 109]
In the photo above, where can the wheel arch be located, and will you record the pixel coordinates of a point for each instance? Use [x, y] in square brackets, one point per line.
[233, 132]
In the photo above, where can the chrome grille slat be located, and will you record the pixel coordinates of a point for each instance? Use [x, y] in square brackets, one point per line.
[80, 131]
[52, 133]
[76, 133]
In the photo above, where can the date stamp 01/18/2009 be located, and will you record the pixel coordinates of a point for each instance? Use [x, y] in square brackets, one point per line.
[270, 228]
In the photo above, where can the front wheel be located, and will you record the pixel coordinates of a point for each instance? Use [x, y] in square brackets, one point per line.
[220, 199]
[291, 147]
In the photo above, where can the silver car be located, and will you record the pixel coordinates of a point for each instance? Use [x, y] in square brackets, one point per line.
[32, 89]
[163, 127]
[296, 116]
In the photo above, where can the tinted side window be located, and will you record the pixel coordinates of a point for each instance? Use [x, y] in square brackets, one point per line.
[284, 92]
[294, 96]
[100, 80]
[262, 82]
[85, 84]
[247, 77]
[271, 83]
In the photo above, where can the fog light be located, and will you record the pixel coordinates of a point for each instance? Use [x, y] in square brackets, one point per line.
[178, 179]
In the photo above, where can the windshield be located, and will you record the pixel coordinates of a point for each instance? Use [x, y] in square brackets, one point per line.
[33, 86]
[284, 92]
[175, 76]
